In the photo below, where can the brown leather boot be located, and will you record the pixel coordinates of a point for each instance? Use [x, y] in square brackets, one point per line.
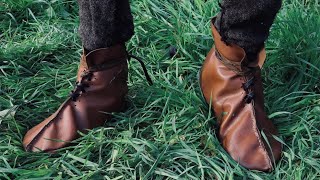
[101, 88]
[233, 86]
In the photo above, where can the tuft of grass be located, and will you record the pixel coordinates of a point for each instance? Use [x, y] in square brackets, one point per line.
[168, 131]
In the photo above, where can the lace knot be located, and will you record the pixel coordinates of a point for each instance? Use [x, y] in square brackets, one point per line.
[81, 85]
[243, 70]
[249, 97]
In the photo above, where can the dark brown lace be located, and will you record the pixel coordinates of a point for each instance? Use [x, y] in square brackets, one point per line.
[145, 71]
[248, 87]
[81, 85]
[247, 72]
[87, 75]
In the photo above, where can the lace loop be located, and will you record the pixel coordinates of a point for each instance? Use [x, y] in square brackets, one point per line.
[87, 75]
[145, 71]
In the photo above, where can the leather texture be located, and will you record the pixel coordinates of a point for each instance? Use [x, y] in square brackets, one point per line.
[233, 86]
[101, 89]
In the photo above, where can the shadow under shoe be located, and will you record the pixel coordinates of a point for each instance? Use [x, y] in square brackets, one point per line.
[234, 87]
[101, 89]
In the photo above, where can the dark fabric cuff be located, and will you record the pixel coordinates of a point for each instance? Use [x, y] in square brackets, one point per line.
[246, 23]
[104, 23]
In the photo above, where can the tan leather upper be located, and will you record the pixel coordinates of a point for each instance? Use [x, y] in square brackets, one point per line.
[103, 74]
[223, 80]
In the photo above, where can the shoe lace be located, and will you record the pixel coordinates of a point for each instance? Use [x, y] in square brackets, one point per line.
[248, 87]
[81, 85]
[86, 77]
[145, 71]
[246, 72]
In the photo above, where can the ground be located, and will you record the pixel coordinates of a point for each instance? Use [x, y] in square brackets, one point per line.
[168, 130]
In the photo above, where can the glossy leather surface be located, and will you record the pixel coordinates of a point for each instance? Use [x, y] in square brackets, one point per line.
[103, 94]
[241, 123]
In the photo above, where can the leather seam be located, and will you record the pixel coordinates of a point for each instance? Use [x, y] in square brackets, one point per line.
[258, 135]
[47, 125]
[31, 144]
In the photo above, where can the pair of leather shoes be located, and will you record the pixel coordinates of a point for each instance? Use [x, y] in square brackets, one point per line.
[228, 81]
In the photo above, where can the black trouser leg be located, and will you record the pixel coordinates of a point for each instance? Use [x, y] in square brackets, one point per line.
[104, 23]
[247, 22]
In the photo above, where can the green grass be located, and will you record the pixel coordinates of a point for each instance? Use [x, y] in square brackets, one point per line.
[167, 132]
